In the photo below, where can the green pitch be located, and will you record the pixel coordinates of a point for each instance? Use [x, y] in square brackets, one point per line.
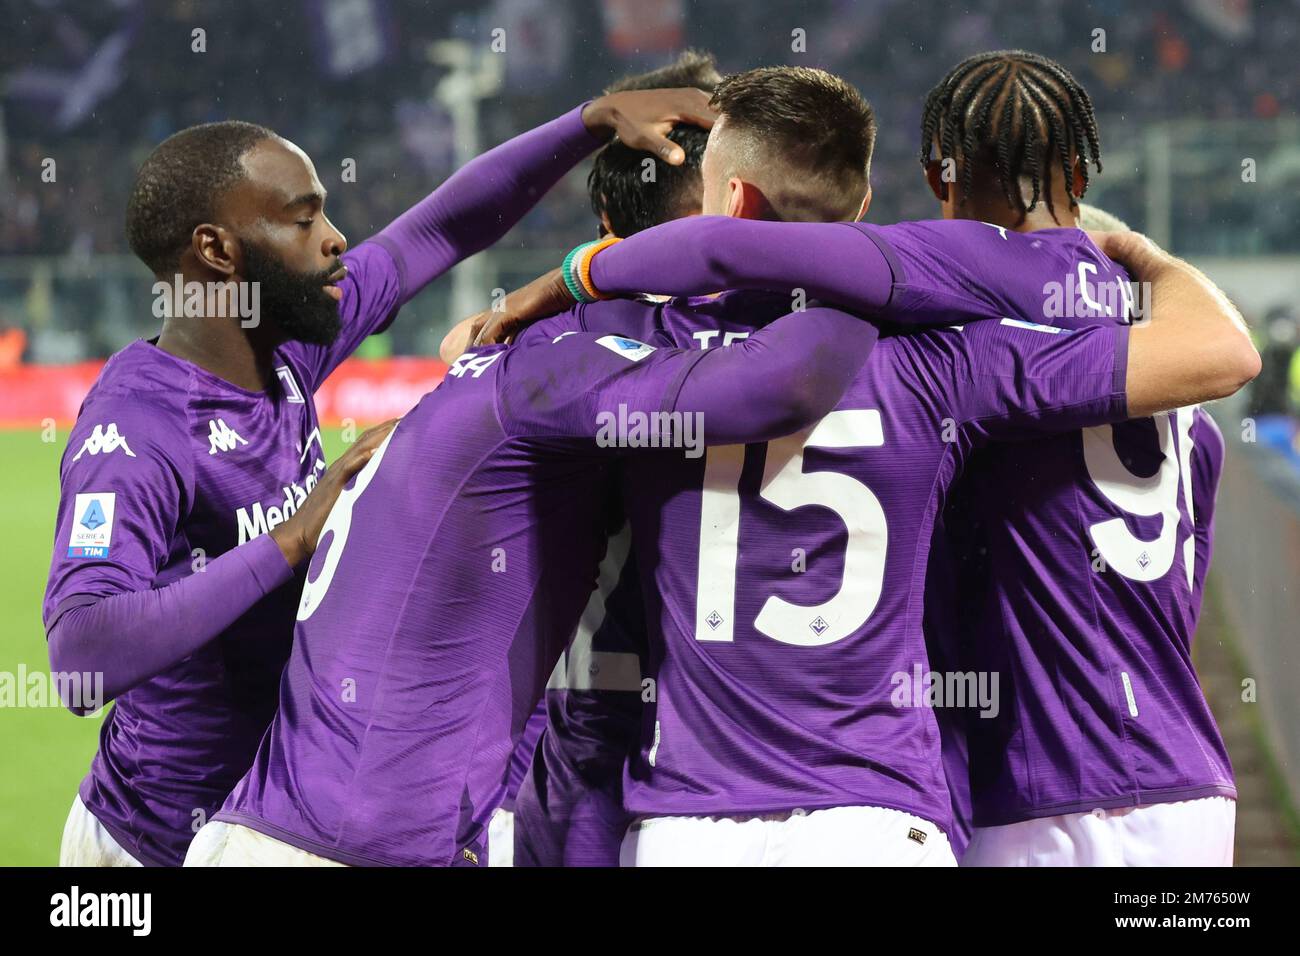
[44, 751]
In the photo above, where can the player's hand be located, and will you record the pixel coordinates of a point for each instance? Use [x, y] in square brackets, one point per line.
[460, 338]
[1135, 252]
[545, 295]
[297, 537]
[643, 119]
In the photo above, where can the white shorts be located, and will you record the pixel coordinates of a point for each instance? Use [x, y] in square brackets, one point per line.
[501, 838]
[87, 843]
[836, 836]
[1188, 833]
[230, 844]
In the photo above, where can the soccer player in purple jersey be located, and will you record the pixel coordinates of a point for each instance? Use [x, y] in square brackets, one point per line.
[407, 690]
[601, 668]
[196, 451]
[1105, 751]
[741, 742]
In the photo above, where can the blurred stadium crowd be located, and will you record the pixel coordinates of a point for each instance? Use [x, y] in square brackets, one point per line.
[95, 86]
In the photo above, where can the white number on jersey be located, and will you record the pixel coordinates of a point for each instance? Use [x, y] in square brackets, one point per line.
[788, 486]
[339, 522]
[469, 362]
[1122, 550]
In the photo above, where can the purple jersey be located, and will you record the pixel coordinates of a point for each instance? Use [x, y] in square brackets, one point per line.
[213, 466]
[453, 570]
[1093, 537]
[604, 652]
[167, 468]
[784, 582]
[569, 807]
[1098, 543]
[1207, 468]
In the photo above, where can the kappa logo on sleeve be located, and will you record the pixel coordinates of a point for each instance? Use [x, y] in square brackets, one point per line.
[105, 439]
[630, 349]
[92, 525]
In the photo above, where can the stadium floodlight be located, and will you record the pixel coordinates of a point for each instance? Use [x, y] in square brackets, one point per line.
[472, 76]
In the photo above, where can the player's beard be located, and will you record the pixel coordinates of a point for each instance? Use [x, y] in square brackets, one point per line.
[295, 301]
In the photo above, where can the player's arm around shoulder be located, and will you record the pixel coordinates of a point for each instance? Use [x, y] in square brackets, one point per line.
[565, 387]
[782, 378]
[1011, 380]
[127, 488]
[1189, 344]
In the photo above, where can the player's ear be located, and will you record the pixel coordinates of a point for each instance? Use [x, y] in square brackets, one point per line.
[1078, 186]
[216, 248]
[934, 176]
[736, 198]
[746, 201]
[866, 203]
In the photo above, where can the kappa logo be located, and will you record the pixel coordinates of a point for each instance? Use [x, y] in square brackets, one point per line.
[221, 437]
[105, 439]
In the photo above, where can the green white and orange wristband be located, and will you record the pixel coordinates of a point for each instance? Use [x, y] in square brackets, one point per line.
[577, 270]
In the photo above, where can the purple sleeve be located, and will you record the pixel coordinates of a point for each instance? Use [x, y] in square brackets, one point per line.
[121, 504]
[1207, 468]
[482, 201]
[126, 482]
[551, 328]
[697, 255]
[474, 208]
[782, 378]
[1012, 380]
[918, 273]
[132, 636]
[636, 318]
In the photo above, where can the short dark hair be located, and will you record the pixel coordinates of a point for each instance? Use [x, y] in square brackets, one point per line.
[621, 185]
[811, 130]
[179, 185]
[1016, 113]
[695, 68]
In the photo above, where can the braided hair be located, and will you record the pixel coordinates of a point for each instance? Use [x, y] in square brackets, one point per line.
[1017, 111]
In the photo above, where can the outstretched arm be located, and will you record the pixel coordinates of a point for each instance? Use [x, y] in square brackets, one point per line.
[483, 200]
[910, 273]
[832, 261]
[782, 378]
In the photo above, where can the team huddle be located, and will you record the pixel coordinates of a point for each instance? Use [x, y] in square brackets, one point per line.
[754, 534]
